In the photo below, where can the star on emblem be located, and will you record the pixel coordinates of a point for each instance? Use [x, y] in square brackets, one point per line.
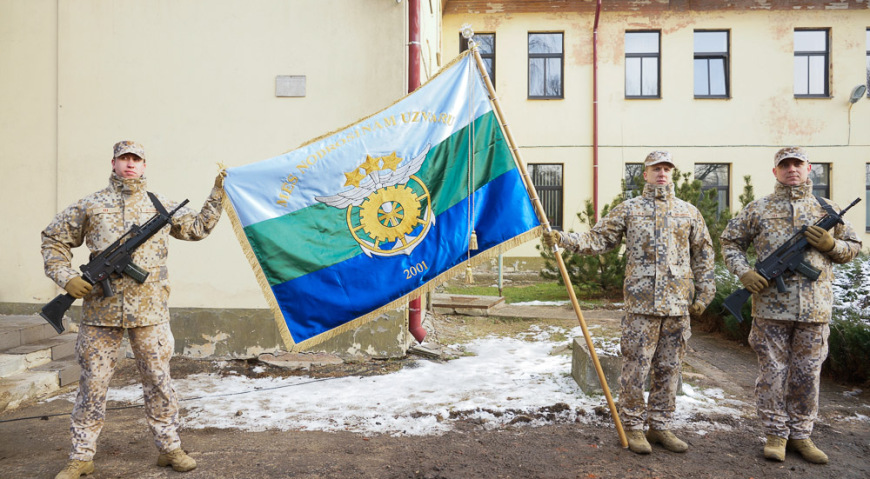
[353, 178]
[371, 165]
[392, 161]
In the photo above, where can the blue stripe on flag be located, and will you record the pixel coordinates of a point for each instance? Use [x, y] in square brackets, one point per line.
[328, 298]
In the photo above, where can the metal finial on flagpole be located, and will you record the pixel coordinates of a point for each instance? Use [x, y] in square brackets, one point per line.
[468, 34]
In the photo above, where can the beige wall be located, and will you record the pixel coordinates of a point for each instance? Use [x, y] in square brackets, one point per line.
[744, 131]
[193, 81]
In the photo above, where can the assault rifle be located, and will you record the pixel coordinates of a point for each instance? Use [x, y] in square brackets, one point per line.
[117, 258]
[787, 258]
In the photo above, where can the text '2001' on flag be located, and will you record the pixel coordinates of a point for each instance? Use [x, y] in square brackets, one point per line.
[354, 223]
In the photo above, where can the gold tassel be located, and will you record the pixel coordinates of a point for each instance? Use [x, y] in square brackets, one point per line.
[472, 242]
[469, 274]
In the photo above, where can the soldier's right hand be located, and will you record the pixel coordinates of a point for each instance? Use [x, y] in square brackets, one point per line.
[753, 281]
[78, 288]
[552, 238]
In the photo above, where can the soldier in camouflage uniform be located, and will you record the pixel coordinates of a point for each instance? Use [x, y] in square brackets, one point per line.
[668, 274]
[789, 330]
[139, 309]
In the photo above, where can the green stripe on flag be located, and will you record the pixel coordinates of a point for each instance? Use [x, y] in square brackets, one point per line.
[318, 235]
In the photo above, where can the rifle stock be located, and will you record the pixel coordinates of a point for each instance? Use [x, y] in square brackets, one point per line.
[735, 301]
[53, 312]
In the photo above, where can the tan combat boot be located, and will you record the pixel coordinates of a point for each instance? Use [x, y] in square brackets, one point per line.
[775, 448]
[808, 450]
[178, 459]
[637, 442]
[75, 469]
[667, 440]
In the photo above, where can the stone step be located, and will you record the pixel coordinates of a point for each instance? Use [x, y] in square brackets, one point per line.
[35, 361]
[29, 356]
[17, 330]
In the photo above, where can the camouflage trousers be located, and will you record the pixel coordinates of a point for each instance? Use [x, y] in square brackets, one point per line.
[790, 357]
[97, 350]
[654, 346]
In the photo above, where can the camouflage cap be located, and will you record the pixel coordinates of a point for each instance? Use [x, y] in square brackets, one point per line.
[790, 152]
[126, 146]
[656, 157]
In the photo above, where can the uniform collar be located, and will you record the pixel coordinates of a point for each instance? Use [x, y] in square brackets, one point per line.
[128, 186]
[794, 192]
[659, 192]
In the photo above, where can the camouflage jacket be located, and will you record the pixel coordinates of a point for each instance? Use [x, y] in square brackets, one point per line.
[101, 218]
[669, 262]
[769, 222]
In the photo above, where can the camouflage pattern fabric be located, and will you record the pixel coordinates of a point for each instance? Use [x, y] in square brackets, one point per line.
[140, 309]
[97, 353]
[790, 357]
[768, 223]
[789, 330]
[654, 346]
[100, 219]
[669, 251]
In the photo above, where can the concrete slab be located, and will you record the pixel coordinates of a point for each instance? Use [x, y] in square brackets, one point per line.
[21, 388]
[584, 373]
[302, 361]
[465, 304]
[11, 364]
[67, 371]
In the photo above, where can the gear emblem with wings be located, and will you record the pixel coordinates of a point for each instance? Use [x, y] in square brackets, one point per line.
[388, 208]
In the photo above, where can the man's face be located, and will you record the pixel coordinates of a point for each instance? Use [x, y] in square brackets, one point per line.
[128, 165]
[659, 174]
[792, 171]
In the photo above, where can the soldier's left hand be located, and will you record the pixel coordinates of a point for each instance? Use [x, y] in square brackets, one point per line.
[696, 309]
[219, 179]
[819, 238]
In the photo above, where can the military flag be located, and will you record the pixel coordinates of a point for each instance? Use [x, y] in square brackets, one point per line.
[358, 221]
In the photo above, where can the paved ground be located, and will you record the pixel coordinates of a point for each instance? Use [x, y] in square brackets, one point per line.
[36, 446]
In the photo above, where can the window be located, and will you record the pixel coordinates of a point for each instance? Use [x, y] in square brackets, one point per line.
[811, 63]
[545, 65]
[820, 174]
[642, 65]
[633, 179]
[547, 180]
[867, 198]
[715, 176]
[711, 64]
[486, 48]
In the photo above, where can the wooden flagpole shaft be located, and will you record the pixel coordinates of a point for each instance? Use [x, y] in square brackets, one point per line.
[542, 216]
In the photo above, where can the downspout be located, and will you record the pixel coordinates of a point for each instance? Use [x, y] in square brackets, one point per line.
[595, 111]
[415, 311]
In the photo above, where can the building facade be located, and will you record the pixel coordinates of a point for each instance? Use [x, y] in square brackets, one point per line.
[721, 87]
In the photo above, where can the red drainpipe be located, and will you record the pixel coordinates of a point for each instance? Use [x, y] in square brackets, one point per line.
[415, 311]
[595, 111]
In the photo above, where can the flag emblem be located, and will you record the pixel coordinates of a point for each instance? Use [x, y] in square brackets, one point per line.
[388, 212]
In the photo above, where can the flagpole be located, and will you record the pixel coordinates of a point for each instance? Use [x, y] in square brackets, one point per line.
[542, 216]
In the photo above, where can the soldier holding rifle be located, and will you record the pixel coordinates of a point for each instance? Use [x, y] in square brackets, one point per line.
[789, 329]
[668, 274]
[140, 309]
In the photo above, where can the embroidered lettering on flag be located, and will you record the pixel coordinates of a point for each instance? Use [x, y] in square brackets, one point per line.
[357, 222]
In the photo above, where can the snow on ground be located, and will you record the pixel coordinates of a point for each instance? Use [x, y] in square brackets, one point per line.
[503, 379]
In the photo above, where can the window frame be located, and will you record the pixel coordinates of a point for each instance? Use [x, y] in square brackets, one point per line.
[559, 213]
[630, 187]
[657, 55]
[826, 55]
[726, 187]
[867, 40]
[826, 188]
[867, 197]
[545, 56]
[463, 45]
[726, 62]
